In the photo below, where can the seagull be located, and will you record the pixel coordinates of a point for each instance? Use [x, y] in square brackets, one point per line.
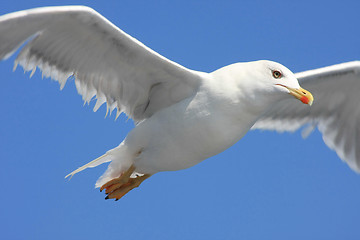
[182, 116]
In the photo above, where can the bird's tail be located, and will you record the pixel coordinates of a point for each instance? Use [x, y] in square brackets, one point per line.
[121, 159]
[100, 160]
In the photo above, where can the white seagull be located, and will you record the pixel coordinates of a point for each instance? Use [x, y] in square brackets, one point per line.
[182, 116]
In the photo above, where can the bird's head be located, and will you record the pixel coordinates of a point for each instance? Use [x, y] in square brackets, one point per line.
[280, 78]
[265, 82]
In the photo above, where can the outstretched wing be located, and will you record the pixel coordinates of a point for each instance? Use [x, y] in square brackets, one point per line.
[336, 110]
[78, 42]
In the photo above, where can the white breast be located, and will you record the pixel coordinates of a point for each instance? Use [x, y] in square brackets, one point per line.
[188, 132]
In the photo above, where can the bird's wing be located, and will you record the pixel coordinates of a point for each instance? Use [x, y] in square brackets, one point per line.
[77, 42]
[336, 110]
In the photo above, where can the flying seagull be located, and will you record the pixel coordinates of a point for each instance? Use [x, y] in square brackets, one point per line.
[182, 116]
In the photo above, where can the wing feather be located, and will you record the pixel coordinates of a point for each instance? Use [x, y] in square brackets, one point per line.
[76, 41]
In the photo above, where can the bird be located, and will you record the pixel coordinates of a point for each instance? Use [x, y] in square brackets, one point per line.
[181, 116]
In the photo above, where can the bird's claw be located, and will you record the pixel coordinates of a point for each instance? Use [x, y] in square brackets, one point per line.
[118, 187]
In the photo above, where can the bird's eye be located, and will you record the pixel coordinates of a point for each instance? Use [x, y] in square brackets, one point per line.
[276, 74]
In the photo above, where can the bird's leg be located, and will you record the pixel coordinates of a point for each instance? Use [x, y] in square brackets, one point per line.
[118, 187]
[124, 178]
[120, 191]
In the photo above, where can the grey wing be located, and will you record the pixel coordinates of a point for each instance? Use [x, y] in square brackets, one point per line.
[76, 41]
[336, 110]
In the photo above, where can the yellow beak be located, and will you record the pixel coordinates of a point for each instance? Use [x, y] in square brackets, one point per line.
[303, 95]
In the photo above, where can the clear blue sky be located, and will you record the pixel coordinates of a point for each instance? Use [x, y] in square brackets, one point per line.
[292, 189]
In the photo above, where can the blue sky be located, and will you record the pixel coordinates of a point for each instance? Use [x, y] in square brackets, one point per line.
[291, 189]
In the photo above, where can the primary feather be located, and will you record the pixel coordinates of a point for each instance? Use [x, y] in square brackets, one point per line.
[105, 62]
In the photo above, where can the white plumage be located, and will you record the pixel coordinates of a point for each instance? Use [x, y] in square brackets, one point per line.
[183, 116]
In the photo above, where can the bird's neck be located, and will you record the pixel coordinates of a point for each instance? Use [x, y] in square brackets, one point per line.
[242, 101]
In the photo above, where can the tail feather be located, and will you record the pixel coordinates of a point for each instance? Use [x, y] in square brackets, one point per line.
[121, 159]
[100, 160]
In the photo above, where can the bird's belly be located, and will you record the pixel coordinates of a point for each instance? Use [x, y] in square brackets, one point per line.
[181, 137]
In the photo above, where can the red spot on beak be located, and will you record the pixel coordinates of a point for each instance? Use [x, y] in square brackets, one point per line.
[304, 100]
